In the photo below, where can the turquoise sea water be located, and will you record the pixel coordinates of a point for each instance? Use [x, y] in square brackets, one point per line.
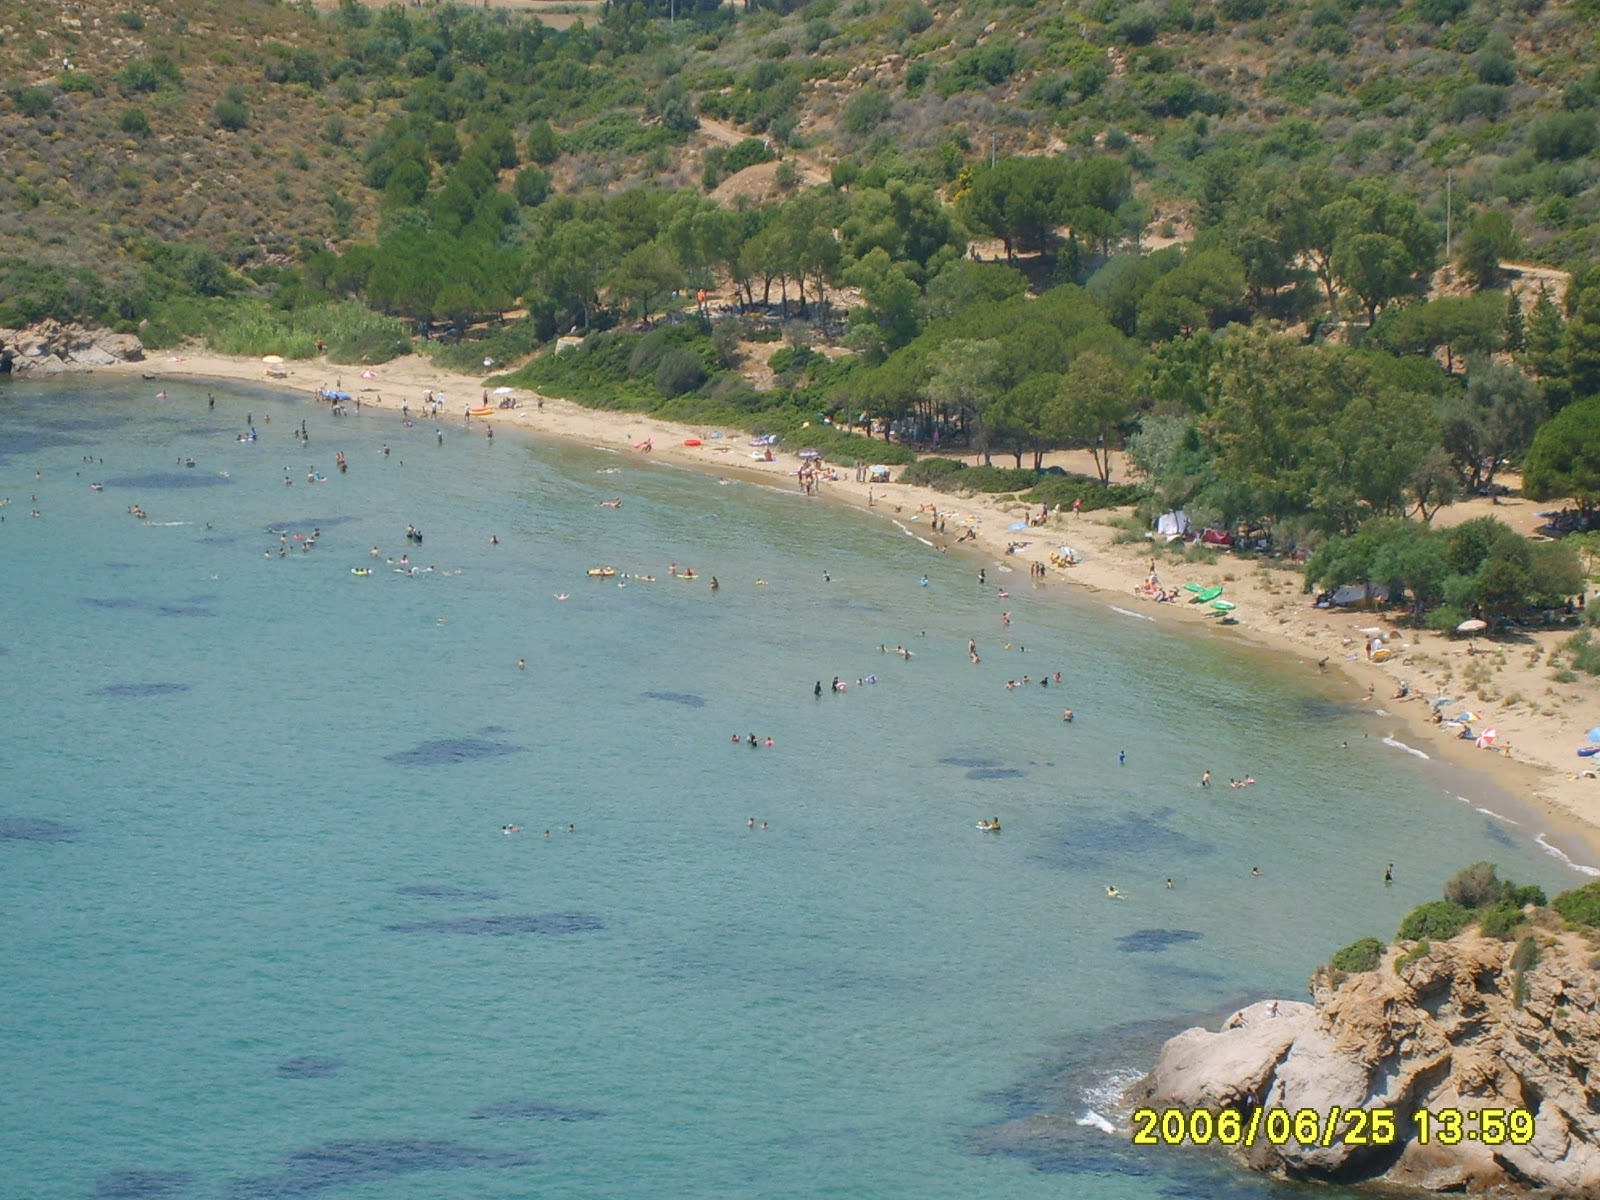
[264, 936]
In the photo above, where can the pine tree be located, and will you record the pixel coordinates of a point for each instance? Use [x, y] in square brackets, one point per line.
[1542, 338]
[1516, 331]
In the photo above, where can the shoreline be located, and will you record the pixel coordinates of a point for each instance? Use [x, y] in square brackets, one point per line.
[1272, 615]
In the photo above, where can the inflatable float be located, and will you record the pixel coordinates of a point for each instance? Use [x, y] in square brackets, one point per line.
[361, 570]
[602, 572]
[486, 411]
[692, 442]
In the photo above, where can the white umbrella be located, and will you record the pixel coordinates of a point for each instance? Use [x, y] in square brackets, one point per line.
[272, 358]
[503, 391]
[1472, 626]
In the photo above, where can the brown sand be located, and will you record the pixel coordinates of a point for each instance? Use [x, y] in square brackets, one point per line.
[1508, 682]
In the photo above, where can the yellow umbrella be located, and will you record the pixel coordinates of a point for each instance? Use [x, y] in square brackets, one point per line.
[272, 358]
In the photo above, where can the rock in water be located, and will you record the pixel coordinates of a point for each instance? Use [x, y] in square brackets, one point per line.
[1458, 1029]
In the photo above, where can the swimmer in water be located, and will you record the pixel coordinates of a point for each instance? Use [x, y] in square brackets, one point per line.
[522, 664]
[508, 830]
[1112, 893]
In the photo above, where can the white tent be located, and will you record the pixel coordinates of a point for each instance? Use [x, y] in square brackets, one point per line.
[1355, 593]
[1173, 524]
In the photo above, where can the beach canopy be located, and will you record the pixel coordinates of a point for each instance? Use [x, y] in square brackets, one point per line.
[811, 454]
[1017, 526]
[1472, 626]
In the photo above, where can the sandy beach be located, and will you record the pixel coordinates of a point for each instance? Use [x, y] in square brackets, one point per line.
[1507, 684]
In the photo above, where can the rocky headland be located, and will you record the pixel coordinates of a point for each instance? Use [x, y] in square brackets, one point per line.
[51, 346]
[1486, 1028]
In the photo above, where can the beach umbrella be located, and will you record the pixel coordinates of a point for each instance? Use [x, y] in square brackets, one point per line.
[1472, 626]
[1206, 595]
[810, 454]
[272, 358]
[1594, 734]
[1485, 739]
[503, 391]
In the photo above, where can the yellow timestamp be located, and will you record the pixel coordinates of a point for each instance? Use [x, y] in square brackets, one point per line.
[1333, 1126]
[1490, 1126]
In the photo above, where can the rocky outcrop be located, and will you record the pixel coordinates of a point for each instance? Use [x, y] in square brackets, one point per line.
[51, 346]
[1466, 1027]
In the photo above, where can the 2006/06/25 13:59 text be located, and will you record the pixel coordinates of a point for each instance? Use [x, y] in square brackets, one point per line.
[1333, 1126]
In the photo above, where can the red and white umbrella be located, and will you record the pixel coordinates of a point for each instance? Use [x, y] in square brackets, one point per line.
[1485, 739]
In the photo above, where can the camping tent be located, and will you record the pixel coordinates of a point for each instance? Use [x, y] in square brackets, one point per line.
[1173, 524]
[1355, 593]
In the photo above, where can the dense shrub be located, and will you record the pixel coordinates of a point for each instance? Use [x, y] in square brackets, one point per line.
[1501, 921]
[1064, 489]
[1435, 919]
[1580, 906]
[133, 122]
[32, 101]
[932, 472]
[680, 370]
[1363, 955]
[1474, 886]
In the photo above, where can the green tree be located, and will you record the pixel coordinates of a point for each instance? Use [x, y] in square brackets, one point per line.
[963, 374]
[569, 261]
[1205, 291]
[1546, 327]
[542, 147]
[1096, 402]
[645, 273]
[1491, 239]
[1564, 460]
[1374, 266]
